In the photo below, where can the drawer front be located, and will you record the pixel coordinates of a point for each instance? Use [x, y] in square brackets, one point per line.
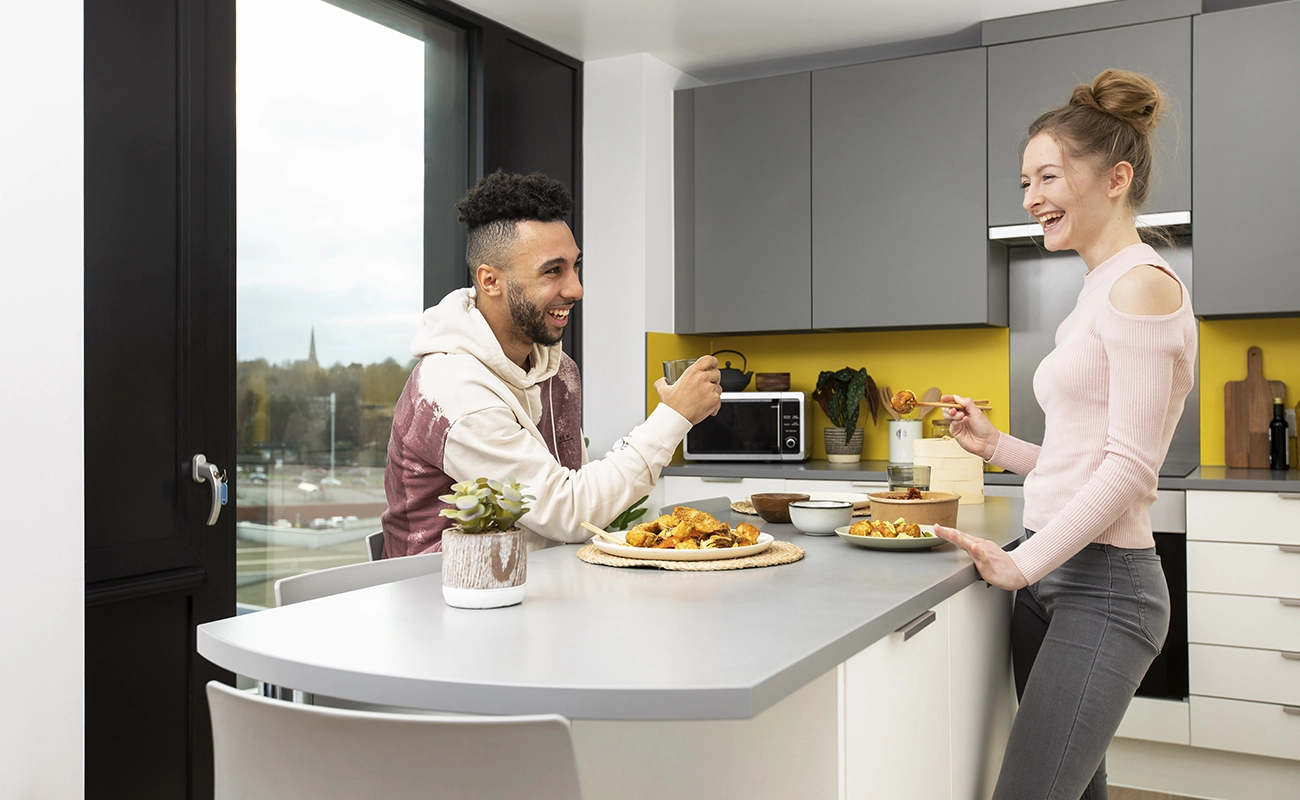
[1257, 569]
[1261, 728]
[1256, 517]
[1240, 673]
[685, 489]
[857, 487]
[1240, 621]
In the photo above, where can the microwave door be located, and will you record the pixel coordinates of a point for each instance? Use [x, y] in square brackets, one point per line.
[740, 431]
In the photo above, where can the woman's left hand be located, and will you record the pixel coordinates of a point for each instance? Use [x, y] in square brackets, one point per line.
[994, 563]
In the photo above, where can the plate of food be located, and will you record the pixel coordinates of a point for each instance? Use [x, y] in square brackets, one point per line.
[687, 534]
[876, 535]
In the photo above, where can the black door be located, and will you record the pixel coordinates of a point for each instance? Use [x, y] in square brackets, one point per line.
[159, 283]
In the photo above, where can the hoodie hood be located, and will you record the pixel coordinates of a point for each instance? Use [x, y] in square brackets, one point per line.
[456, 327]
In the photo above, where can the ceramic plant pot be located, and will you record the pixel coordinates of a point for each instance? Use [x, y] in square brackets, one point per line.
[484, 570]
[837, 452]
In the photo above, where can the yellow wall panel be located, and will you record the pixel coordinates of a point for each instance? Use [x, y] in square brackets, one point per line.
[969, 361]
[1223, 346]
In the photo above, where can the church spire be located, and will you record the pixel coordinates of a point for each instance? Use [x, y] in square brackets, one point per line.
[311, 355]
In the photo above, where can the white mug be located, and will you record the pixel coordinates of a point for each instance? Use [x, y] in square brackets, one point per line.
[902, 432]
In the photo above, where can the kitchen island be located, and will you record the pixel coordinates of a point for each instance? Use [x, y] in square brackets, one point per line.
[791, 670]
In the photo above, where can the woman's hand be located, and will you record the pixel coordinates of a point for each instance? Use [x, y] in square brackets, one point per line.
[994, 563]
[970, 427]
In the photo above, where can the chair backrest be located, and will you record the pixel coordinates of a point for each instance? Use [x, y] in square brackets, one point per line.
[325, 582]
[719, 507]
[271, 748]
[375, 545]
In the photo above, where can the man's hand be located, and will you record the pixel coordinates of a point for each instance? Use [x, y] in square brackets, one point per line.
[697, 394]
[994, 563]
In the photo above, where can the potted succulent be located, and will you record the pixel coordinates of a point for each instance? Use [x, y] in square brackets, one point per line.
[839, 393]
[484, 557]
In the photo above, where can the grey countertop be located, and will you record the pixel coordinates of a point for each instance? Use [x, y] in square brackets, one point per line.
[594, 642]
[1203, 478]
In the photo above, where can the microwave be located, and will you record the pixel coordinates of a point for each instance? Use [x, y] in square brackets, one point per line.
[752, 426]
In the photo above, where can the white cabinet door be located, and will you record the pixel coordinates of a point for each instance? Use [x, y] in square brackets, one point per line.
[981, 687]
[854, 487]
[679, 489]
[1250, 517]
[896, 741]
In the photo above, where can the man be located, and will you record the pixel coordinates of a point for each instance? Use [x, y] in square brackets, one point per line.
[494, 396]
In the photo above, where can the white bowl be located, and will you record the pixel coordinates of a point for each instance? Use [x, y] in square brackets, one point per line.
[821, 517]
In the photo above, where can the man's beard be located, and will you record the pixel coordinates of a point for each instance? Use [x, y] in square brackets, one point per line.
[528, 319]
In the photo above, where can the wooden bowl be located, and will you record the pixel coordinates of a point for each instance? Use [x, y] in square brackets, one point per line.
[772, 381]
[934, 508]
[775, 506]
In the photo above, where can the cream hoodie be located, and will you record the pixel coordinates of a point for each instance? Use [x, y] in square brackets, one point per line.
[467, 411]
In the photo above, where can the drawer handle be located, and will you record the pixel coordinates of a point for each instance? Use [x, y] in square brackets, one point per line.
[1289, 548]
[1289, 656]
[1289, 495]
[868, 484]
[1289, 601]
[721, 480]
[1291, 710]
[917, 625]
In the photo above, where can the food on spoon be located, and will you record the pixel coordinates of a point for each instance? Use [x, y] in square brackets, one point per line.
[690, 529]
[903, 402]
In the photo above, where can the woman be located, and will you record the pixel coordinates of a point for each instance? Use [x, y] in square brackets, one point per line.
[1092, 608]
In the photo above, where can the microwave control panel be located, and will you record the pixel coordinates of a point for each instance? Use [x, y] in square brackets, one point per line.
[791, 426]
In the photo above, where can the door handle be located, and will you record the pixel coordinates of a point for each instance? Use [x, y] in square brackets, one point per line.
[917, 625]
[1289, 601]
[1289, 495]
[1289, 656]
[204, 471]
[1289, 548]
[711, 479]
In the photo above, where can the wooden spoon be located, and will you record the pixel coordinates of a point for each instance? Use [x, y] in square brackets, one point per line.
[603, 534]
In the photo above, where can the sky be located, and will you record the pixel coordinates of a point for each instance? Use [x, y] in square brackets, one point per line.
[330, 137]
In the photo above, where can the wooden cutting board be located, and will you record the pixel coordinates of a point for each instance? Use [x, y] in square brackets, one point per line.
[1247, 409]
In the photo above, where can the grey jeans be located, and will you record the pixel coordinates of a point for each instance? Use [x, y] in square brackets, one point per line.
[1081, 640]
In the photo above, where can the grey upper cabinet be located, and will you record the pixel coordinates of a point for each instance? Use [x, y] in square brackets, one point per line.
[1246, 117]
[752, 227]
[1027, 78]
[900, 237]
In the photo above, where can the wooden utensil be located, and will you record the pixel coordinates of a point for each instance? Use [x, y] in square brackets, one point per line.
[930, 396]
[1247, 409]
[956, 405]
[603, 534]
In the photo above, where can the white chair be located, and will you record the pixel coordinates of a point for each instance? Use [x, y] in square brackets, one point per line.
[267, 748]
[375, 545]
[325, 582]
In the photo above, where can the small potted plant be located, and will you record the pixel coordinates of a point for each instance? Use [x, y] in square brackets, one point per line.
[484, 557]
[839, 393]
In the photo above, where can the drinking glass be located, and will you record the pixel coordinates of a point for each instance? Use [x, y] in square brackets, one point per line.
[906, 476]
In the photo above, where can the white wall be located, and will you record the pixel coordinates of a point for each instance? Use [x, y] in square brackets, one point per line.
[627, 143]
[42, 610]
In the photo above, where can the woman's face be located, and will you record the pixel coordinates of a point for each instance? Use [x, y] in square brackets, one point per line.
[1070, 201]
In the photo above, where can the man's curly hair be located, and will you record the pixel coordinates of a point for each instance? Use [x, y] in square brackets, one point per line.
[499, 201]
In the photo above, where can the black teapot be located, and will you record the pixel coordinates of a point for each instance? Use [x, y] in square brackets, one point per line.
[734, 380]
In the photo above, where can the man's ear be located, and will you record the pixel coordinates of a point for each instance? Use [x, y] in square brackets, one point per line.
[1121, 178]
[490, 280]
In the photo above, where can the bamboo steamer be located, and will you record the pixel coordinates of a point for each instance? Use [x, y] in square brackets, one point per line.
[952, 469]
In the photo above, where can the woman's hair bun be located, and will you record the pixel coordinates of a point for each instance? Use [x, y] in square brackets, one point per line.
[1133, 98]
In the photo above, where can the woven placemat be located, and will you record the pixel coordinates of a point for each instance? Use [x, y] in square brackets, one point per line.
[746, 507]
[779, 553]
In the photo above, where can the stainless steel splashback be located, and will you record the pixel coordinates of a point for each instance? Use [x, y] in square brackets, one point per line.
[1044, 287]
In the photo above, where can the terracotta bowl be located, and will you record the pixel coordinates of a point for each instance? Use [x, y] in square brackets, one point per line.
[934, 508]
[775, 506]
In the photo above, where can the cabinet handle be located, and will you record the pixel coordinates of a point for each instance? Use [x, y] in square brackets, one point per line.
[868, 484]
[1289, 656]
[1289, 601]
[707, 479]
[917, 625]
[1289, 495]
[1291, 710]
[1289, 548]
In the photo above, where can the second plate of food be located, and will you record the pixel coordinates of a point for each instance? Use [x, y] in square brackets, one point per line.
[654, 554]
[897, 543]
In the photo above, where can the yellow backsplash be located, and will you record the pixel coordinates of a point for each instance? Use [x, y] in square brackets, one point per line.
[969, 361]
[1223, 346]
[974, 361]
